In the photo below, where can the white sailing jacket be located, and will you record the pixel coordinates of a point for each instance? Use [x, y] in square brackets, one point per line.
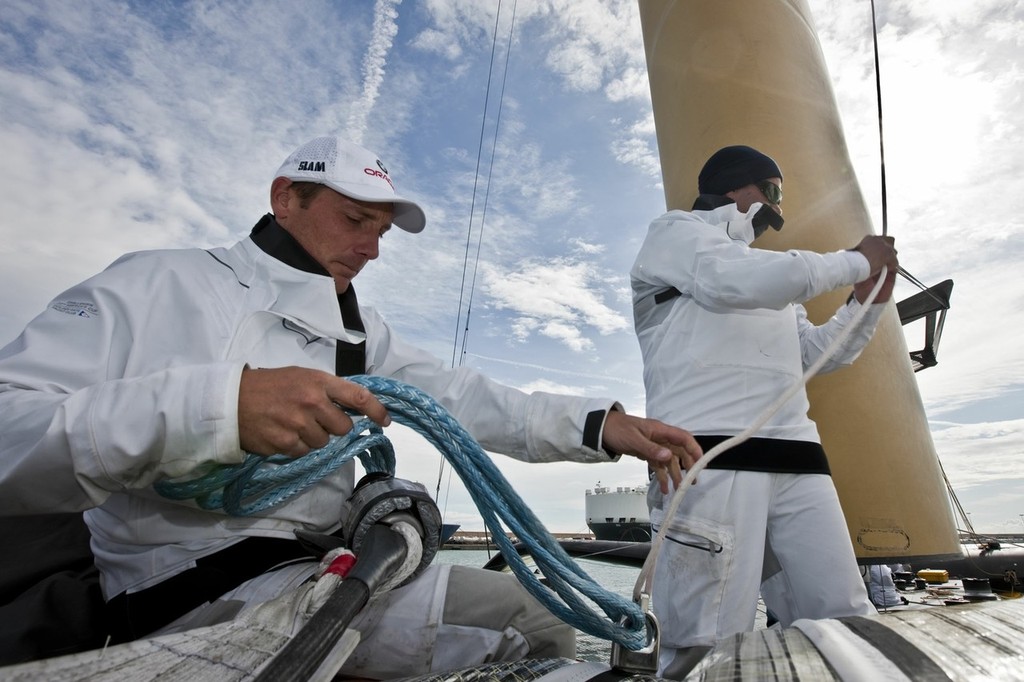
[133, 375]
[735, 337]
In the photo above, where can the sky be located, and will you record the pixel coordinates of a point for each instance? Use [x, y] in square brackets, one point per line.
[142, 125]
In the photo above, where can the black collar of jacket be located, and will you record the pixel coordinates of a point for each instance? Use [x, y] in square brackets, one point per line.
[275, 241]
[709, 202]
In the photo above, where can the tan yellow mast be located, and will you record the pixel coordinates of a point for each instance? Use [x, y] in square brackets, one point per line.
[726, 72]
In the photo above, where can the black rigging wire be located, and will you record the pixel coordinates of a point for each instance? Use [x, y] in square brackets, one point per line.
[487, 192]
[476, 180]
[885, 227]
[456, 348]
[881, 157]
[881, 136]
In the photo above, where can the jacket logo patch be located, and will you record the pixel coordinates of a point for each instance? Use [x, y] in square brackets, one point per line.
[76, 308]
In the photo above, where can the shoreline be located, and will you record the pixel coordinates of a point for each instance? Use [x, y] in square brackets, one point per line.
[473, 539]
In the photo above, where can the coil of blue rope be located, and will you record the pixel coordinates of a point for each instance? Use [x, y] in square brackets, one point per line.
[272, 481]
[259, 483]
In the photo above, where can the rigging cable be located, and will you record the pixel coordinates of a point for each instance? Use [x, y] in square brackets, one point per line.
[458, 351]
[881, 158]
[881, 136]
[487, 191]
[476, 180]
[885, 226]
[469, 237]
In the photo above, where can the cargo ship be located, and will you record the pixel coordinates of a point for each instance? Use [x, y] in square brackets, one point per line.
[618, 514]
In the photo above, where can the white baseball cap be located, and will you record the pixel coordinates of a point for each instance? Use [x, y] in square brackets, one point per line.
[353, 171]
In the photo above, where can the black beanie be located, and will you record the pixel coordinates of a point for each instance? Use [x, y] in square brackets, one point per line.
[733, 167]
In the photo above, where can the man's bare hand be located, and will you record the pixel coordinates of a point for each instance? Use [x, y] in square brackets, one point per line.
[879, 251]
[666, 449]
[292, 410]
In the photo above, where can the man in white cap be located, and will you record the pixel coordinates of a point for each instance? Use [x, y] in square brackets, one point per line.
[723, 334]
[169, 362]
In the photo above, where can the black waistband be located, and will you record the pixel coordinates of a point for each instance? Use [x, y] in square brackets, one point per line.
[137, 614]
[667, 295]
[769, 454]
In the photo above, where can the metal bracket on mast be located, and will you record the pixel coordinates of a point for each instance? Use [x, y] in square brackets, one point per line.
[931, 304]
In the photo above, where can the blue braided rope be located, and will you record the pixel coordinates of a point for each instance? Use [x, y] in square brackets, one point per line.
[259, 483]
[496, 500]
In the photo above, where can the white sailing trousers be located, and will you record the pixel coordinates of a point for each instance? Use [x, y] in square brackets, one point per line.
[738, 533]
[449, 617]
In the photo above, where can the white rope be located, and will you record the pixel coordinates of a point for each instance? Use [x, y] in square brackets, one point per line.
[327, 579]
[413, 556]
[645, 581]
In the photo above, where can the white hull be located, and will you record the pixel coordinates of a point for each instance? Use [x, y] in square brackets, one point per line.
[618, 514]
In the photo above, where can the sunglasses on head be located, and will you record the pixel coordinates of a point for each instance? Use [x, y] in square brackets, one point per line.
[772, 191]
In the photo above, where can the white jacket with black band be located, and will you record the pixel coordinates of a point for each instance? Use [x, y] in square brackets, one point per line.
[732, 336]
[133, 376]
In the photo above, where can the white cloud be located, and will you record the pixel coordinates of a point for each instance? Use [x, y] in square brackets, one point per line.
[555, 299]
[432, 40]
[970, 454]
[464, 23]
[586, 248]
[638, 152]
[597, 42]
[528, 180]
[630, 84]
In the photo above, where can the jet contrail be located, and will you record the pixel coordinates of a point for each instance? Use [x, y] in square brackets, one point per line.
[384, 29]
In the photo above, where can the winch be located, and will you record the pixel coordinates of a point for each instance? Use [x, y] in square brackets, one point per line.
[382, 498]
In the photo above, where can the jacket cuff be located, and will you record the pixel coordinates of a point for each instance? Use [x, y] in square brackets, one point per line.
[858, 264]
[593, 431]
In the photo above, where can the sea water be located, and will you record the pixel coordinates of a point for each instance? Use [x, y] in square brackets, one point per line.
[613, 577]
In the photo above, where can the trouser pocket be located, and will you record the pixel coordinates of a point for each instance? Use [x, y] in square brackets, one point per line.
[693, 565]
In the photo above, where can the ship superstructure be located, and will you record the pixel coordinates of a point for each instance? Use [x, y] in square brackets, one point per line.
[618, 513]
